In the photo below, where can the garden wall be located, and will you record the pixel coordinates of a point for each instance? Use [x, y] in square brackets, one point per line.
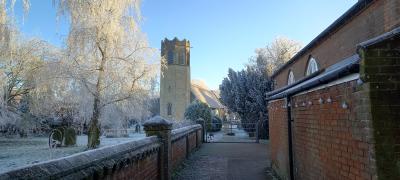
[139, 159]
[278, 133]
[330, 138]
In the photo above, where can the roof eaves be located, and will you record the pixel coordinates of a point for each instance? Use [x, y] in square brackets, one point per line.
[388, 35]
[345, 67]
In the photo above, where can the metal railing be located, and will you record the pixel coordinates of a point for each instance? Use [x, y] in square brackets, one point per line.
[232, 132]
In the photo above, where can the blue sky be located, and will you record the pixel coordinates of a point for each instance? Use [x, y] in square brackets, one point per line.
[223, 33]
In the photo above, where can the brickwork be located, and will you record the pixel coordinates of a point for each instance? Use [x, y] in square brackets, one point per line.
[182, 147]
[380, 71]
[178, 152]
[348, 128]
[331, 137]
[192, 141]
[139, 159]
[278, 134]
[329, 140]
[144, 169]
[380, 17]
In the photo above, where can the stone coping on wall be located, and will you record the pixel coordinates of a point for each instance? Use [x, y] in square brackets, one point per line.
[84, 164]
[182, 132]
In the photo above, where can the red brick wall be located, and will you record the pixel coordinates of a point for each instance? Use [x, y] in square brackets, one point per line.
[183, 146]
[278, 134]
[192, 141]
[178, 151]
[331, 139]
[139, 159]
[380, 17]
[146, 168]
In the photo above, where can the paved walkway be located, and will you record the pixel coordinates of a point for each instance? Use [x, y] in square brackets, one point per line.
[239, 135]
[227, 161]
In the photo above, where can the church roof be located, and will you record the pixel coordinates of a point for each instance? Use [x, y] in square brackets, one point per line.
[346, 17]
[395, 33]
[205, 95]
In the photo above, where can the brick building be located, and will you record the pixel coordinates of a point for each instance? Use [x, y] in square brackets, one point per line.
[335, 111]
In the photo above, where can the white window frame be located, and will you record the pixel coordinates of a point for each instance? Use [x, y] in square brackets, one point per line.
[312, 66]
[291, 78]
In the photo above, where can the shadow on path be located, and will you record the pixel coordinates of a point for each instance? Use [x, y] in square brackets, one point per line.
[228, 161]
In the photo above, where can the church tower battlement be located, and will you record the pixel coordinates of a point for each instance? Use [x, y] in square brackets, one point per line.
[175, 79]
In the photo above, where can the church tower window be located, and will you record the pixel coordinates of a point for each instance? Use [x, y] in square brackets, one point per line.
[182, 58]
[169, 109]
[170, 57]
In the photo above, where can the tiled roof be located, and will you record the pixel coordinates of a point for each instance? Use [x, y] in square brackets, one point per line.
[203, 94]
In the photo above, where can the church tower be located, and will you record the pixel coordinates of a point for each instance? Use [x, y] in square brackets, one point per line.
[175, 79]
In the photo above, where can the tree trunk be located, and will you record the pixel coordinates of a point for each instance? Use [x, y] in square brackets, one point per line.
[94, 127]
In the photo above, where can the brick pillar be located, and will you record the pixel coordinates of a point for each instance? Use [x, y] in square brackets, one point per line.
[160, 127]
[203, 128]
[380, 74]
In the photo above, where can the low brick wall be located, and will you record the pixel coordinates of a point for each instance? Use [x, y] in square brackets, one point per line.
[137, 159]
[184, 141]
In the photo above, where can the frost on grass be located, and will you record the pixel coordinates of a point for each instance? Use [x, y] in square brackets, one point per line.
[25, 151]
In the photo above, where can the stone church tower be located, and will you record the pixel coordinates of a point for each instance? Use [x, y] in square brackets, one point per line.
[175, 79]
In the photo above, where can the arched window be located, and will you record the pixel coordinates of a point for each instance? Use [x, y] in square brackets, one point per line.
[291, 79]
[169, 109]
[312, 66]
[170, 57]
[182, 58]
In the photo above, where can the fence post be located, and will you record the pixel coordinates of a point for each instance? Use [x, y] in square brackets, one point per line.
[203, 128]
[187, 145]
[160, 127]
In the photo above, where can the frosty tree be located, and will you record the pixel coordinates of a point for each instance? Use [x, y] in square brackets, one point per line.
[244, 91]
[109, 54]
[275, 54]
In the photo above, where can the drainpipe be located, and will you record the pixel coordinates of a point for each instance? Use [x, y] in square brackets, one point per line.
[290, 143]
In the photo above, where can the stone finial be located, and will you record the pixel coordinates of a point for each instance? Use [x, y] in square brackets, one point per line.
[157, 123]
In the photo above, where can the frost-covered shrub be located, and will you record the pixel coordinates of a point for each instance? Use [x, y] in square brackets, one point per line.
[198, 110]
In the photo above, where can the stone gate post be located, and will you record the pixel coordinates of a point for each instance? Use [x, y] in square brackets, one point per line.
[160, 127]
[203, 129]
